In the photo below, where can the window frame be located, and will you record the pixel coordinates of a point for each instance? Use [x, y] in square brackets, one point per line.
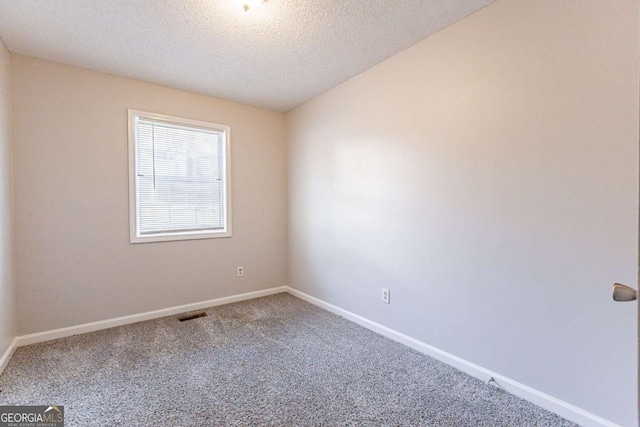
[134, 207]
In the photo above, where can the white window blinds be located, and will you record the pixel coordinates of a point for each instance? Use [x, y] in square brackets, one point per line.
[180, 178]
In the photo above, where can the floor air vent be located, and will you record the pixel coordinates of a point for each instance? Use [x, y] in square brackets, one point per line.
[192, 316]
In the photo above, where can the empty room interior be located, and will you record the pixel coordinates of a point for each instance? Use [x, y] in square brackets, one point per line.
[329, 213]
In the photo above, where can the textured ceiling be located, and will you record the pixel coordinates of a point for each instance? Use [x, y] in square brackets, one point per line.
[277, 56]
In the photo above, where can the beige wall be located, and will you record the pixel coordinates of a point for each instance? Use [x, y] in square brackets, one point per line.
[489, 177]
[74, 261]
[7, 284]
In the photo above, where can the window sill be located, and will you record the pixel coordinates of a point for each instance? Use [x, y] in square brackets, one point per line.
[170, 237]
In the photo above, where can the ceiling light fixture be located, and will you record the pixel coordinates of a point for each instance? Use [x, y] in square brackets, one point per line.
[247, 5]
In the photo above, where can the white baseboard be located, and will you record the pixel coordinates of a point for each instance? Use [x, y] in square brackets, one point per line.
[550, 403]
[4, 360]
[134, 318]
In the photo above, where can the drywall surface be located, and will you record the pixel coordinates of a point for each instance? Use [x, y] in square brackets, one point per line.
[74, 261]
[488, 176]
[7, 283]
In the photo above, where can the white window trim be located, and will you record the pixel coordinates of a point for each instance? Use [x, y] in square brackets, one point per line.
[134, 236]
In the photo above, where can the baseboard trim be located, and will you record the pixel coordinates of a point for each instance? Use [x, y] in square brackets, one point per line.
[4, 360]
[550, 403]
[135, 318]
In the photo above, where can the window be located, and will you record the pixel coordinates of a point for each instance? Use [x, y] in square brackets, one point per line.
[178, 179]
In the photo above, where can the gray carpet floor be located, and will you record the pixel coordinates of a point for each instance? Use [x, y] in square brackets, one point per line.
[273, 361]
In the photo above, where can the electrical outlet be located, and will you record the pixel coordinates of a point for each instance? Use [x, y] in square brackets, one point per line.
[386, 296]
[241, 271]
